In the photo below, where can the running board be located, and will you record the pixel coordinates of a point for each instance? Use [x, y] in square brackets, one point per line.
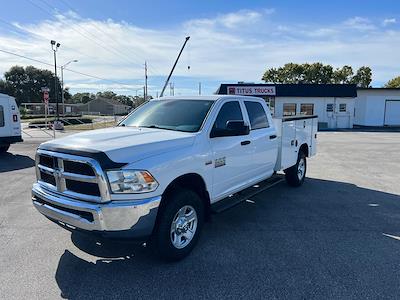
[242, 196]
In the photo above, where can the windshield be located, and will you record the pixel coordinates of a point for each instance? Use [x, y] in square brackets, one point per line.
[179, 115]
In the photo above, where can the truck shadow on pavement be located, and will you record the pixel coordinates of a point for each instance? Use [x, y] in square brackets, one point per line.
[325, 239]
[12, 162]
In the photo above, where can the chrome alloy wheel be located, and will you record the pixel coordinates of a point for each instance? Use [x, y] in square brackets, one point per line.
[301, 168]
[183, 227]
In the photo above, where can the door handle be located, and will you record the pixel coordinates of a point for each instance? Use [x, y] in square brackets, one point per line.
[245, 143]
[272, 137]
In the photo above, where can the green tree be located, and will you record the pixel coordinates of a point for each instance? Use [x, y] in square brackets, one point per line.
[81, 98]
[107, 94]
[317, 73]
[363, 77]
[127, 100]
[393, 83]
[343, 75]
[25, 84]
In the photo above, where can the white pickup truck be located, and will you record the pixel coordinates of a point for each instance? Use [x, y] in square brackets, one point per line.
[159, 174]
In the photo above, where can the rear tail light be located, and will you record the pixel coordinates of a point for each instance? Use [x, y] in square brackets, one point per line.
[15, 118]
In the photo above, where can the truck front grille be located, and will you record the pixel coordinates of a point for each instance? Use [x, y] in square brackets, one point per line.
[74, 176]
[83, 187]
[48, 178]
[78, 168]
[46, 161]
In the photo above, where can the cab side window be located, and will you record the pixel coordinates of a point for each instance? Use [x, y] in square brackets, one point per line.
[257, 116]
[1, 116]
[230, 111]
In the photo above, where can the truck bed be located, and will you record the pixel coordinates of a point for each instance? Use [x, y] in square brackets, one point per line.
[293, 132]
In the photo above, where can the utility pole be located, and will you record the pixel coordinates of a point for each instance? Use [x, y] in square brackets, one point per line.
[145, 80]
[199, 88]
[173, 68]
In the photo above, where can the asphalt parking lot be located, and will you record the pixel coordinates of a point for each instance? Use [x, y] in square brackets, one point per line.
[337, 236]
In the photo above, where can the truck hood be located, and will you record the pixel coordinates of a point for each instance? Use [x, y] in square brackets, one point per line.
[122, 144]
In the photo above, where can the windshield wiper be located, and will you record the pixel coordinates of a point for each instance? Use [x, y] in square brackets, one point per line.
[157, 127]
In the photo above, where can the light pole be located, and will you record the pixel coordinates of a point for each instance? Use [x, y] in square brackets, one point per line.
[62, 82]
[54, 47]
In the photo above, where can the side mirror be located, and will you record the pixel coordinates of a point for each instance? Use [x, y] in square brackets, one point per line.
[233, 128]
[238, 127]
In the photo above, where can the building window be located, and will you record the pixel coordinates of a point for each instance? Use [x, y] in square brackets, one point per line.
[257, 116]
[329, 107]
[342, 107]
[289, 109]
[1, 116]
[307, 109]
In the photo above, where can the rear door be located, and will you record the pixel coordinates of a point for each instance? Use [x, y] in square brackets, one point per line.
[15, 118]
[264, 141]
[5, 122]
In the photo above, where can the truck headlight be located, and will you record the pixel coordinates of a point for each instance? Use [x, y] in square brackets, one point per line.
[131, 181]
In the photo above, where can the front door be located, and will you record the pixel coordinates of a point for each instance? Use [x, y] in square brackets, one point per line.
[230, 153]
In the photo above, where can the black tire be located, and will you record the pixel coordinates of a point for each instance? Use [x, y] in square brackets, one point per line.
[4, 148]
[162, 240]
[292, 174]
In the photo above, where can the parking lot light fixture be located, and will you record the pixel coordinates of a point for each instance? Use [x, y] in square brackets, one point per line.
[62, 83]
[54, 47]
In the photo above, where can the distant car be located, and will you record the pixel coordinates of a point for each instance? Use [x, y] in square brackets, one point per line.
[10, 124]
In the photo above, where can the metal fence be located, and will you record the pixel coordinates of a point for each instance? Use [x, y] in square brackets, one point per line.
[45, 130]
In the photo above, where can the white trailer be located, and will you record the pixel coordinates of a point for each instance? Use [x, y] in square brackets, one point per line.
[10, 124]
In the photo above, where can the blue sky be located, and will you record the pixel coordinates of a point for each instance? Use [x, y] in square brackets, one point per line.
[230, 40]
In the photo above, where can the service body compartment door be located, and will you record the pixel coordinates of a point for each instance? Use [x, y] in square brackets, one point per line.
[288, 151]
[303, 132]
[313, 147]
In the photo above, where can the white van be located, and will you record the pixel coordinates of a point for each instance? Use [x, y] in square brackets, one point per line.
[10, 124]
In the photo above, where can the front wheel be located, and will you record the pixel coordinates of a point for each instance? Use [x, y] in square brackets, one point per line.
[295, 175]
[179, 225]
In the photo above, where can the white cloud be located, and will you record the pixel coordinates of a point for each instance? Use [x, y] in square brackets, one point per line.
[390, 21]
[359, 23]
[230, 47]
[240, 18]
[233, 20]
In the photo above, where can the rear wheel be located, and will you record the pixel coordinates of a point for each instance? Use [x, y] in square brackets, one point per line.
[295, 175]
[179, 225]
[4, 148]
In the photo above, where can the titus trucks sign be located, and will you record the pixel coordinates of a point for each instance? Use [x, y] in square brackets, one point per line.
[251, 90]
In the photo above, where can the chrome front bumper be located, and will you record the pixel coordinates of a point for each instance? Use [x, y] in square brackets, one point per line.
[125, 219]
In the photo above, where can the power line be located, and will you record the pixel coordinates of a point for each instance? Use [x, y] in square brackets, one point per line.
[150, 67]
[74, 29]
[86, 35]
[73, 71]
